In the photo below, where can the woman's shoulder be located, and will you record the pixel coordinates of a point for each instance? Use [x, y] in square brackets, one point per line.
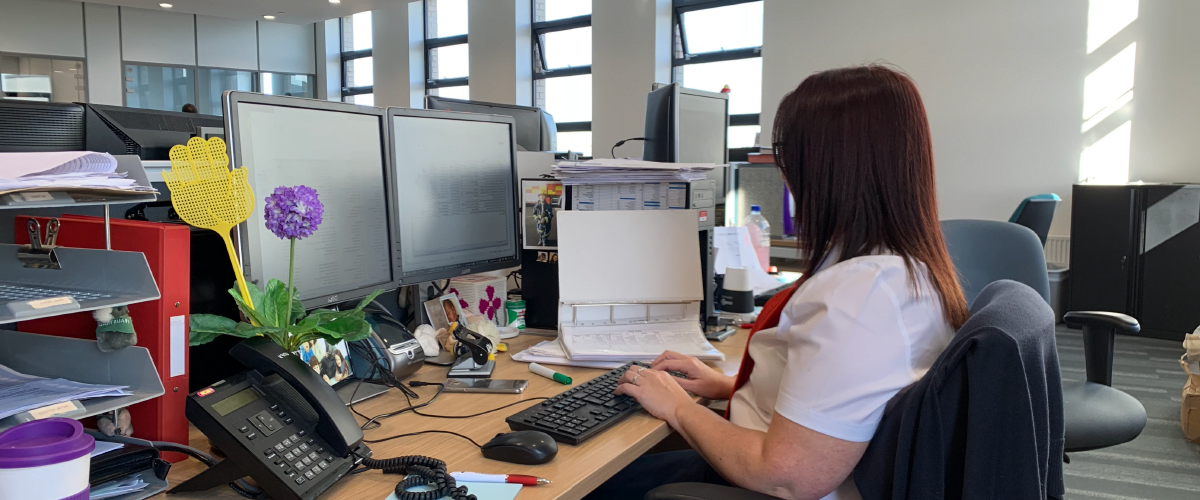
[859, 270]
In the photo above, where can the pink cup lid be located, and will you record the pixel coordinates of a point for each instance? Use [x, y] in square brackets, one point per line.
[44, 442]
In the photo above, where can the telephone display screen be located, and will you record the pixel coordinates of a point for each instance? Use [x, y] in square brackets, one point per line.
[238, 400]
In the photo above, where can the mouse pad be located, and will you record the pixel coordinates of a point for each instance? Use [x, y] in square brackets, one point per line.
[482, 491]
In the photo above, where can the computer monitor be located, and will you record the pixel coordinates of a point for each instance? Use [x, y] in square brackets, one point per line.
[30, 127]
[686, 126]
[150, 134]
[457, 190]
[536, 130]
[338, 149]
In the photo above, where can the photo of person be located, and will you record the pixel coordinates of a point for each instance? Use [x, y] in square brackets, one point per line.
[444, 310]
[542, 200]
[332, 363]
[543, 257]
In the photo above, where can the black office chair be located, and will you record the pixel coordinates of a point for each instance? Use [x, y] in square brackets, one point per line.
[1036, 213]
[1096, 415]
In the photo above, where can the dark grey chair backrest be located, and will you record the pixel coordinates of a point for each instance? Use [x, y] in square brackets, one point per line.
[984, 251]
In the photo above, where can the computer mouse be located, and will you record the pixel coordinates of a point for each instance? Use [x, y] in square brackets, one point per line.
[521, 447]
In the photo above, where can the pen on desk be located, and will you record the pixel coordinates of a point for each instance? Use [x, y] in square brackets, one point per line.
[475, 477]
[550, 374]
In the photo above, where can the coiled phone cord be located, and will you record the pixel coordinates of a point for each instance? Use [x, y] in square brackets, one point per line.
[420, 471]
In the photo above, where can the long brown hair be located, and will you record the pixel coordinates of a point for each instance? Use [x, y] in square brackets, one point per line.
[855, 149]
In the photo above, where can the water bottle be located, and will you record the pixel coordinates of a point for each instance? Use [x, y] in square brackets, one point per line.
[760, 235]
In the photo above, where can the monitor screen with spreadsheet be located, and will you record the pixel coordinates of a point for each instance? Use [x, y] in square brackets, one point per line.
[339, 150]
[456, 188]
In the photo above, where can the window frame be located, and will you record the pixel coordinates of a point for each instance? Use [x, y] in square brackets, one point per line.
[681, 57]
[436, 43]
[82, 60]
[350, 55]
[537, 54]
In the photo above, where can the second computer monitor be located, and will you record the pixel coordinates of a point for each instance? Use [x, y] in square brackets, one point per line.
[457, 190]
[339, 150]
[535, 128]
[686, 126]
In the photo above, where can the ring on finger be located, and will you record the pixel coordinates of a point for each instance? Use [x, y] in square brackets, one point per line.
[635, 378]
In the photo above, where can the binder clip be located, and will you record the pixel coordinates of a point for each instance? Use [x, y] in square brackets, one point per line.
[39, 254]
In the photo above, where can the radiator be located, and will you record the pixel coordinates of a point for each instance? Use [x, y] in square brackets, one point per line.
[1058, 250]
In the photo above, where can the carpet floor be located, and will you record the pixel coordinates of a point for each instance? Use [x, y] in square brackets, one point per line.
[1160, 464]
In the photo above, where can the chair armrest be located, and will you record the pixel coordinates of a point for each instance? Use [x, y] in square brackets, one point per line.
[1116, 321]
[1099, 334]
[703, 491]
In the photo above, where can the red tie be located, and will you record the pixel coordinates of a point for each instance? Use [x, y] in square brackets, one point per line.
[768, 318]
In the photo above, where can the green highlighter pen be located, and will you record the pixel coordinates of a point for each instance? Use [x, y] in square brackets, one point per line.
[550, 374]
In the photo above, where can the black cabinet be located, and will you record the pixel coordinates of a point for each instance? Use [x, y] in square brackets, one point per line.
[1135, 249]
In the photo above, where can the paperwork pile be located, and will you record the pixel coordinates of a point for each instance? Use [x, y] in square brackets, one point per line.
[20, 392]
[118, 487]
[614, 171]
[63, 171]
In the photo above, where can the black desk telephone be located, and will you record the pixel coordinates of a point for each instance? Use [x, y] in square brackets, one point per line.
[278, 423]
[283, 426]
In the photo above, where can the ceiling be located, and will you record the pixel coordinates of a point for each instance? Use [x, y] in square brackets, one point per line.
[285, 11]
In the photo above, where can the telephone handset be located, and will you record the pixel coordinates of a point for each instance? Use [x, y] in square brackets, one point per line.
[278, 423]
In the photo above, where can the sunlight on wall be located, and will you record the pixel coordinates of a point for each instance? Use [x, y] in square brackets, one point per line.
[1107, 18]
[1105, 91]
[1109, 87]
[1107, 160]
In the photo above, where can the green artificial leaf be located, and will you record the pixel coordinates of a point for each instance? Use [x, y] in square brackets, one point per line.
[246, 330]
[351, 326]
[367, 300]
[256, 296]
[206, 327]
[275, 303]
[250, 314]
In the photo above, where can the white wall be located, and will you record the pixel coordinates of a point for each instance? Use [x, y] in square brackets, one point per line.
[104, 73]
[500, 62]
[42, 27]
[631, 50]
[158, 37]
[226, 43]
[399, 56]
[1002, 83]
[1166, 118]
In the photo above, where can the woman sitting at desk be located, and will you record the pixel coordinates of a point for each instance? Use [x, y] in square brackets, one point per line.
[878, 303]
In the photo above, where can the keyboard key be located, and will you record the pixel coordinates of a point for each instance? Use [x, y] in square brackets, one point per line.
[299, 465]
[313, 455]
[323, 464]
[304, 447]
[307, 461]
[287, 442]
[289, 456]
[302, 432]
[309, 474]
[316, 469]
[280, 448]
[300, 480]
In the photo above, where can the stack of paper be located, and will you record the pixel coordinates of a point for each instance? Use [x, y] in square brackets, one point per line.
[118, 487]
[614, 171]
[20, 392]
[550, 352]
[63, 171]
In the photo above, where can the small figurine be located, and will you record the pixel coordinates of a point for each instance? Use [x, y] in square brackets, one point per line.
[114, 329]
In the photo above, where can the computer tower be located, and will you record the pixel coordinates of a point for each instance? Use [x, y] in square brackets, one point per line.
[1134, 251]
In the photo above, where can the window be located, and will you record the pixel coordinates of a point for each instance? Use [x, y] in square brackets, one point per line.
[358, 67]
[212, 82]
[287, 84]
[718, 43]
[42, 79]
[447, 53]
[163, 88]
[562, 69]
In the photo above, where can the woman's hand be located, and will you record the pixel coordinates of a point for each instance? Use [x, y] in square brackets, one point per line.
[658, 392]
[702, 380]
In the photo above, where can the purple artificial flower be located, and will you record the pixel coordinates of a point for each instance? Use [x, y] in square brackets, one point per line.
[293, 212]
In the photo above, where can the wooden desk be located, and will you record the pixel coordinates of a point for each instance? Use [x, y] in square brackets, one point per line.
[576, 470]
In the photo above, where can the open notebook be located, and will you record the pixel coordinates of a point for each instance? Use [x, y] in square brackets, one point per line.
[630, 285]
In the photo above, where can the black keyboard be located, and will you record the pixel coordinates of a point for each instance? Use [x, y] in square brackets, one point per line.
[581, 412]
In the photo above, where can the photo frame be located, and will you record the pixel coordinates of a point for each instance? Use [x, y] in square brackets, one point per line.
[541, 201]
[444, 310]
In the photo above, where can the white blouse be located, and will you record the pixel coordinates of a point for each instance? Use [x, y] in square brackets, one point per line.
[849, 339]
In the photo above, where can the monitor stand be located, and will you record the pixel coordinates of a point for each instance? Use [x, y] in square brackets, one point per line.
[465, 367]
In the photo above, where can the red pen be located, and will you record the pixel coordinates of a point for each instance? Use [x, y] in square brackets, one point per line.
[475, 477]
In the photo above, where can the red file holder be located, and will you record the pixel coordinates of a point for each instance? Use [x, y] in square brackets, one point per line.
[167, 248]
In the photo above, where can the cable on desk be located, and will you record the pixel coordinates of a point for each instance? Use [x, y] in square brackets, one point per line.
[373, 422]
[420, 471]
[432, 431]
[538, 398]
